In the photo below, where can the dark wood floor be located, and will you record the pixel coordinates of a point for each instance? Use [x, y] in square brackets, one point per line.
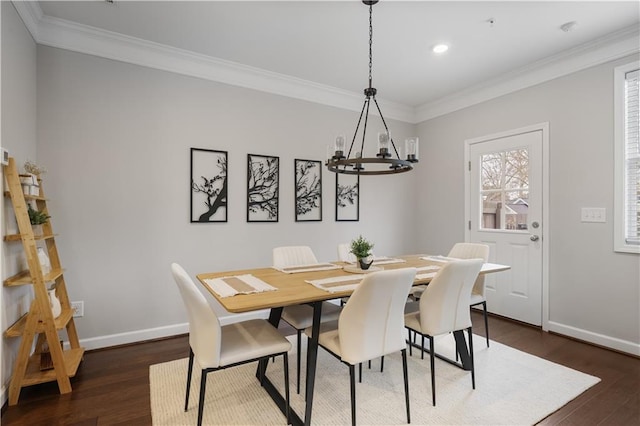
[112, 385]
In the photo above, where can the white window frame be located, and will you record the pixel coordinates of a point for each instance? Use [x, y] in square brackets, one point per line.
[620, 243]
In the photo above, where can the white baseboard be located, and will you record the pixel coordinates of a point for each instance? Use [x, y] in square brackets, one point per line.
[100, 342]
[595, 338]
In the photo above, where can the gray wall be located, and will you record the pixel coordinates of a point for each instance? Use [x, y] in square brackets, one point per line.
[18, 135]
[116, 140]
[594, 292]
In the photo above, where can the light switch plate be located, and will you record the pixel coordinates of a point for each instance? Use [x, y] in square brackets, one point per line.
[594, 214]
[4, 156]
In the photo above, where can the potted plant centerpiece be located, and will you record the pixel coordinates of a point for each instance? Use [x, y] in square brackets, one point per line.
[361, 249]
[37, 219]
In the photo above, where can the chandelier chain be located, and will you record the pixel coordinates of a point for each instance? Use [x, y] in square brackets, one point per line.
[370, 42]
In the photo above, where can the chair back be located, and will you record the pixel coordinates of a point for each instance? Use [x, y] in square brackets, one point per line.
[205, 332]
[472, 251]
[372, 322]
[344, 253]
[293, 256]
[444, 305]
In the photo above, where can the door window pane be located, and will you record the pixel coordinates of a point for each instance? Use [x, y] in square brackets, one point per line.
[505, 190]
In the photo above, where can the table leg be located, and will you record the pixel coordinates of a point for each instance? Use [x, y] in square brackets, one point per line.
[274, 319]
[461, 348]
[312, 357]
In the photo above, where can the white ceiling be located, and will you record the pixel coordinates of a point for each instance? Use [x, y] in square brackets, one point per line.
[326, 42]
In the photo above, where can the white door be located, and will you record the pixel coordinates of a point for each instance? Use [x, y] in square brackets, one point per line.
[505, 183]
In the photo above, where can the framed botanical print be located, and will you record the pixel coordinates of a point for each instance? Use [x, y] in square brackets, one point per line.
[347, 198]
[308, 187]
[263, 188]
[208, 185]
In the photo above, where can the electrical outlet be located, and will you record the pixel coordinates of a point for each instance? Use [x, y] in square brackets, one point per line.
[78, 309]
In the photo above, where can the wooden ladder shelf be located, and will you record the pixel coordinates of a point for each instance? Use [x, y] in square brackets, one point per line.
[38, 323]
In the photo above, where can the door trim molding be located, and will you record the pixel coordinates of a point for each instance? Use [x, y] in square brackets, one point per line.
[544, 128]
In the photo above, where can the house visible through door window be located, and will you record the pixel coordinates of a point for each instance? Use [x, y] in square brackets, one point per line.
[627, 158]
[505, 189]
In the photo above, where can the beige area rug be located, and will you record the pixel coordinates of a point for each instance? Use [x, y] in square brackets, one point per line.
[512, 388]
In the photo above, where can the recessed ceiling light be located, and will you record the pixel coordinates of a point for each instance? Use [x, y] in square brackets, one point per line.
[440, 48]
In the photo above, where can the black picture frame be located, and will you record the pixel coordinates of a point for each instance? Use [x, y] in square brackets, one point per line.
[208, 186]
[308, 190]
[347, 198]
[263, 188]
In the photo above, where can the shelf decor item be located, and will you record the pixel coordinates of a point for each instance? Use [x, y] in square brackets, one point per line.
[361, 249]
[37, 217]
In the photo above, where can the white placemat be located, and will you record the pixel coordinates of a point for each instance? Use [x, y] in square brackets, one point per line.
[439, 259]
[337, 284]
[239, 284]
[308, 268]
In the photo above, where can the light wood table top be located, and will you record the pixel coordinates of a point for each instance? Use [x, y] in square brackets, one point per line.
[294, 290]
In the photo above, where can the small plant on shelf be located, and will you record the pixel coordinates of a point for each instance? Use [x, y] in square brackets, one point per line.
[34, 169]
[37, 217]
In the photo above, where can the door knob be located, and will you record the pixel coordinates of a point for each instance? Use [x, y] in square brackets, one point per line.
[534, 238]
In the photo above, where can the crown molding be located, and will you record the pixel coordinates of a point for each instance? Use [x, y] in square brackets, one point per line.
[31, 14]
[613, 46]
[63, 34]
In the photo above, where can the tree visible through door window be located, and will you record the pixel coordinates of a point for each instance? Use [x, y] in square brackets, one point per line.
[505, 189]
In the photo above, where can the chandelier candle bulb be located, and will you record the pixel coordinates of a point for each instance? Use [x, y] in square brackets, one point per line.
[411, 148]
[383, 145]
[339, 147]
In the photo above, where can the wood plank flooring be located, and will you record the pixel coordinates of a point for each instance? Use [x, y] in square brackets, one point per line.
[112, 385]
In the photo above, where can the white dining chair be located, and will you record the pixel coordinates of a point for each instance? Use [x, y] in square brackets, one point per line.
[371, 326]
[478, 297]
[444, 308]
[344, 253]
[301, 316]
[215, 347]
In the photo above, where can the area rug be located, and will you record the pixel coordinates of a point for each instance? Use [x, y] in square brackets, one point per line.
[512, 388]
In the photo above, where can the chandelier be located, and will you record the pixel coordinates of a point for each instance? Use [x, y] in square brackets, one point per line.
[384, 162]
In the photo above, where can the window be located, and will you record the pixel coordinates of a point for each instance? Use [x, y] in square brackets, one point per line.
[627, 158]
[505, 190]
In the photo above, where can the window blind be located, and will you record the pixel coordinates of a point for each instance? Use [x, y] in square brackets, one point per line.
[632, 157]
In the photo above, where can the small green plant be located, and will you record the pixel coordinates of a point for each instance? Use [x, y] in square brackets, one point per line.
[361, 248]
[37, 217]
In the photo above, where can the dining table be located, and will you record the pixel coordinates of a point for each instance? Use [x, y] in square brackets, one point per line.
[313, 285]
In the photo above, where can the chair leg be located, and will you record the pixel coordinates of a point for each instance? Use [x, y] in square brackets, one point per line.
[360, 371]
[406, 383]
[473, 367]
[369, 364]
[410, 344]
[422, 354]
[432, 351]
[203, 389]
[189, 371]
[486, 322]
[382, 364]
[352, 376]
[285, 358]
[298, 361]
